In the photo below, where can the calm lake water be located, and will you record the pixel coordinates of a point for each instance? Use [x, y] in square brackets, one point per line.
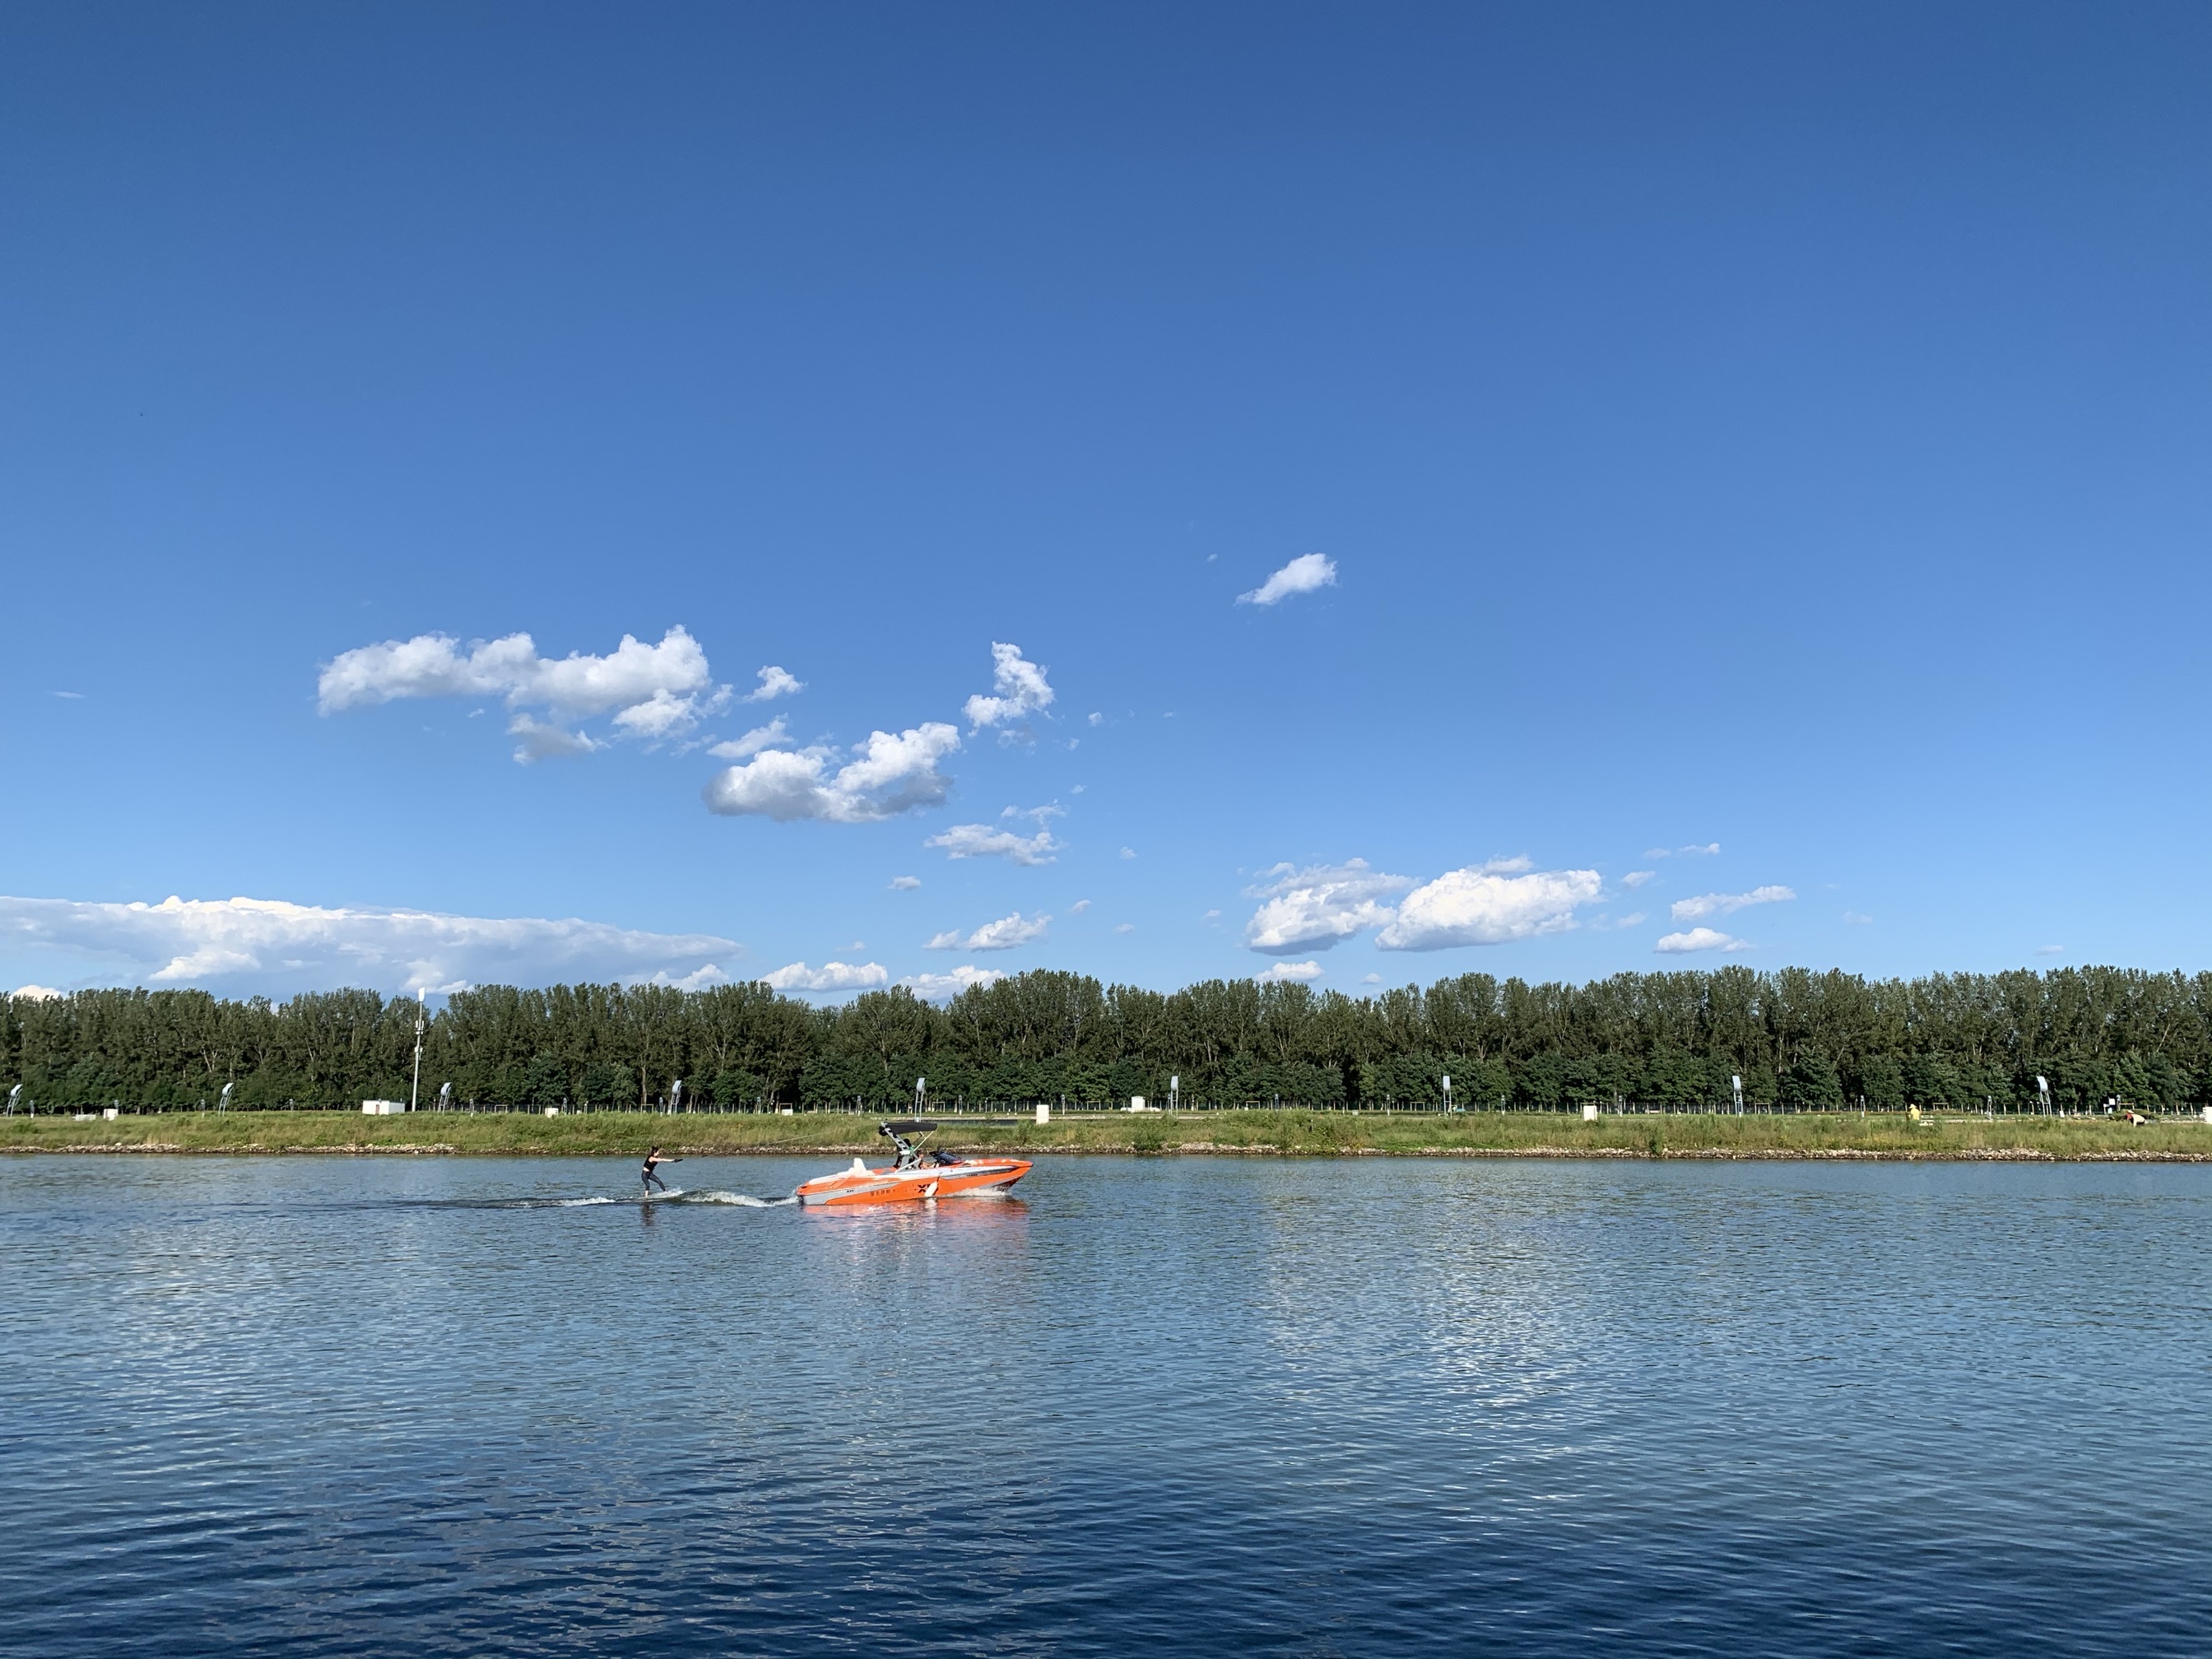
[1180, 1405]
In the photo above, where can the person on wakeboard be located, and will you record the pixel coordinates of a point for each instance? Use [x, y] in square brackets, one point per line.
[652, 1159]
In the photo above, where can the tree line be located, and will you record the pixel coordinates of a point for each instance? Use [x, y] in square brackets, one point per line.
[1799, 1039]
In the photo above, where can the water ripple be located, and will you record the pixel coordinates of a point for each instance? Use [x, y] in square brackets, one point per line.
[1298, 1407]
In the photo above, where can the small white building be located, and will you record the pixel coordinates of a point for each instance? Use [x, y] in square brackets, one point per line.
[383, 1108]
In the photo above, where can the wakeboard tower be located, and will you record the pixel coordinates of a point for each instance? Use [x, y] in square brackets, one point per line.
[916, 1176]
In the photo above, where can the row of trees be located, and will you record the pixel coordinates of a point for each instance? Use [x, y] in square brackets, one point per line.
[1797, 1038]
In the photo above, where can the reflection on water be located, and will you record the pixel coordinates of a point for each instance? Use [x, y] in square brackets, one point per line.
[1190, 1405]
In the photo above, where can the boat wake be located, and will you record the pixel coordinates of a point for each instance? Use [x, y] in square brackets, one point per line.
[678, 1195]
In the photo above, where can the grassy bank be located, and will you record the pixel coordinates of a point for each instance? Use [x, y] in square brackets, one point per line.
[610, 1134]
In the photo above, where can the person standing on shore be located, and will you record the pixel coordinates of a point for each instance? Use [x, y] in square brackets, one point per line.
[652, 1159]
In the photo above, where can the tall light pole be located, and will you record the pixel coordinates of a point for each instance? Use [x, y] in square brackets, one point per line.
[415, 1094]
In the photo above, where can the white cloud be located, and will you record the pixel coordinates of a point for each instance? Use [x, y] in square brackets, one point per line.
[78, 697]
[1857, 918]
[1711, 849]
[39, 993]
[1041, 815]
[829, 977]
[905, 884]
[1303, 575]
[774, 683]
[1019, 685]
[1370, 979]
[698, 979]
[1722, 904]
[888, 776]
[1298, 973]
[652, 691]
[1078, 906]
[943, 988]
[979, 841]
[1698, 939]
[1311, 909]
[1485, 907]
[2040, 950]
[1004, 934]
[1096, 719]
[1636, 878]
[773, 735]
[248, 943]
[1125, 926]
[1128, 852]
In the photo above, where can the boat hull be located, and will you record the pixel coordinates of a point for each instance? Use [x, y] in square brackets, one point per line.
[919, 1186]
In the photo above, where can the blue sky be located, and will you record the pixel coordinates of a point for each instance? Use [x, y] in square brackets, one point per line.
[1776, 430]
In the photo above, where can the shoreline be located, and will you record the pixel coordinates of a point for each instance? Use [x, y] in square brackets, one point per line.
[1242, 1134]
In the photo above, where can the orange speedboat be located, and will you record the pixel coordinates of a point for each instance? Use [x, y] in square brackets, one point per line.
[918, 1176]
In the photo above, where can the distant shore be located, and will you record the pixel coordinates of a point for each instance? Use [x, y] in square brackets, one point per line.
[1257, 1133]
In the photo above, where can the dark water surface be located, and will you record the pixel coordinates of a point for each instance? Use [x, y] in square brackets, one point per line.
[1175, 1406]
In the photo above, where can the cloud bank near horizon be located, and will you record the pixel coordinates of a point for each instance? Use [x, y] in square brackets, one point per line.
[249, 944]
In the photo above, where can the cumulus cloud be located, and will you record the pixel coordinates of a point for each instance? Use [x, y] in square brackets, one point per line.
[1721, 904]
[943, 988]
[652, 691]
[1004, 934]
[1491, 903]
[249, 944]
[774, 683]
[905, 884]
[1303, 575]
[888, 775]
[1486, 906]
[1857, 918]
[773, 735]
[39, 993]
[1018, 688]
[1311, 909]
[1125, 926]
[829, 977]
[1694, 850]
[1636, 878]
[1698, 939]
[1296, 973]
[1078, 906]
[980, 840]
[1633, 919]
[2040, 950]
